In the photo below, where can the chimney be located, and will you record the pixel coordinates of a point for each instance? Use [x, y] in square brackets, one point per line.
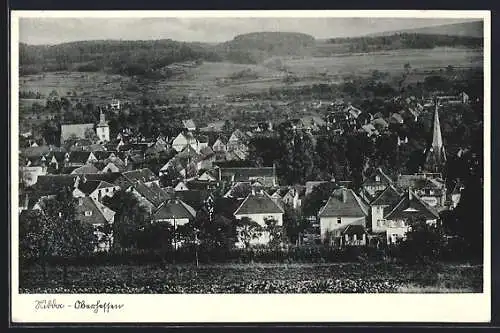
[409, 193]
[80, 201]
[253, 191]
[344, 195]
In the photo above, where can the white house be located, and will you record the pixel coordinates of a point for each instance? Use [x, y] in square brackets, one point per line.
[343, 208]
[183, 140]
[259, 206]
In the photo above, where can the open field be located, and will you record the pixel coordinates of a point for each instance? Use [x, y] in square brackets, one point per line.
[211, 80]
[258, 278]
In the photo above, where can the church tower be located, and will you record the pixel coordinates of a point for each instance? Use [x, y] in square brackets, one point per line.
[102, 128]
[436, 155]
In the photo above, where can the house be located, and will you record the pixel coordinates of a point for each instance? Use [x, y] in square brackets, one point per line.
[219, 145]
[115, 166]
[52, 184]
[97, 215]
[184, 139]
[128, 178]
[237, 141]
[259, 206]
[181, 186]
[85, 169]
[174, 212]
[265, 175]
[343, 208]
[408, 210]
[189, 125]
[80, 158]
[97, 189]
[239, 190]
[430, 189]
[56, 160]
[115, 104]
[149, 196]
[396, 118]
[374, 184]
[294, 196]
[381, 205]
[209, 175]
[30, 172]
[75, 130]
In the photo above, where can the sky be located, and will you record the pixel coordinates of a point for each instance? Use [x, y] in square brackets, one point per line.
[210, 30]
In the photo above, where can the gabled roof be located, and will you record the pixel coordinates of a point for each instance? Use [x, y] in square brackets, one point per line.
[419, 181]
[312, 184]
[258, 203]
[188, 123]
[89, 186]
[239, 190]
[389, 197]
[87, 204]
[109, 177]
[383, 179]
[54, 183]
[79, 156]
[344, 202]
[174, 209]
[102, 155]
[144, 175]
[238, 135]
[152, 193]
[85, 169]
[194, 198]
[411, 205]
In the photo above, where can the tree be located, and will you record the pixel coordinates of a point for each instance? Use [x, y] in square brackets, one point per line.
[248, 230]
[424, 242]
[131, 219]
[293, 224]
[275, 232]
[56, 231]
[91, 135]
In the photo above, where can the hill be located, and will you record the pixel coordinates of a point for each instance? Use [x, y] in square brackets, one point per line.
[256, 47]
[466, 29]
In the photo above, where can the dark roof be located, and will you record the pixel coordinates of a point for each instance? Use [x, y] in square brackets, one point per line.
[372, 179]
[144, 175]
[174, 209]
[89, 186]
[354, 229]
[258, 203]
[85, 169]
[53, 183]
[245, 174]
[240, 190]
[153, 193]
[389, 197]
[194, 198]
[411, 205]
[109, 177]
[344, 202]
[79, 156]
[102, 155]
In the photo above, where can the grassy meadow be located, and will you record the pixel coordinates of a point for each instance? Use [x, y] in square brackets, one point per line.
[213, 80]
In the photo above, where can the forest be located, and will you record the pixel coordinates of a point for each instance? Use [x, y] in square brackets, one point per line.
[149, 58]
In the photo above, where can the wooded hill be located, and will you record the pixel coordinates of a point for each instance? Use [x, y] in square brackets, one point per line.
[149, 58]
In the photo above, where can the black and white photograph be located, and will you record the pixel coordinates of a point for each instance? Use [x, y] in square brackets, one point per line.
[253, 154]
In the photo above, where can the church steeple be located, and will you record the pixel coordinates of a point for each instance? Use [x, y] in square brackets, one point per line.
[436, 155]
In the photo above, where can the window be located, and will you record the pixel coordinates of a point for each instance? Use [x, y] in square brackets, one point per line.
[88, 213]
[377, 178]
[339, 220]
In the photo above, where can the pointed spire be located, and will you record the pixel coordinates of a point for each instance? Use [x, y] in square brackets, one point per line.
[436, 155]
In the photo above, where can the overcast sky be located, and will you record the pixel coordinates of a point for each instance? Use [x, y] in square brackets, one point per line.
[60, 30]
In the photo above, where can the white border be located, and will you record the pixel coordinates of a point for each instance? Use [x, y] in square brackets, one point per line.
[465, 308]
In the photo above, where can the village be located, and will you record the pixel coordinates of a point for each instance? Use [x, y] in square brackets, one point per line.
[210, 172]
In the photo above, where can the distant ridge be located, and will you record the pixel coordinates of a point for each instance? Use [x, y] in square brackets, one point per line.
[466, 29]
